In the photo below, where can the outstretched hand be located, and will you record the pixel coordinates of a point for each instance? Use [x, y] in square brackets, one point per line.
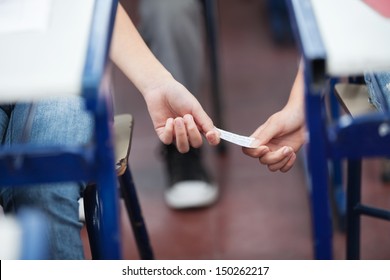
[179, 118]
[278, 140]
[176, 114]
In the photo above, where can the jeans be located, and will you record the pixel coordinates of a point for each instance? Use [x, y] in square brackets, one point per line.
[383, 79]
[173, 29]
[59, 121]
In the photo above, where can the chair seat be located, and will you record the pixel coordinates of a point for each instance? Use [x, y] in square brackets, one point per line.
[354, 98]
[123, 126]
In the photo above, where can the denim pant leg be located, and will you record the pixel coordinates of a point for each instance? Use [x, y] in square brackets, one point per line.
[173, 29]
[56, 121]
[4, 118]
[383, 79]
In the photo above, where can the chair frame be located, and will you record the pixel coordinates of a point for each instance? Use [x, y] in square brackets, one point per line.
[330, 141]
[27, 164]
[92, 205]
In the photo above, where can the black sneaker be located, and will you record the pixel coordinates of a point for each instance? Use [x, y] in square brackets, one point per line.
[189, 184]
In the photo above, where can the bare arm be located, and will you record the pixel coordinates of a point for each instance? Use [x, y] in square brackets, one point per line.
[283, 134]
[176, 114]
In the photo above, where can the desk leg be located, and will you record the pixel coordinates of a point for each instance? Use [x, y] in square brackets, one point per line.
[318, 176]
[109, 236]
[353, 216]
[338, 196]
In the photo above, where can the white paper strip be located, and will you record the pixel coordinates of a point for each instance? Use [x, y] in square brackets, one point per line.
[240, 140]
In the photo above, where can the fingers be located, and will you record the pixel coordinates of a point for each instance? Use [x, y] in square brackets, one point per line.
[166, 136]
[185, 132]
[194, 136]
[182, 142]
[264, 133]
[213, 137]
[289, 164]
[206, 125]
[256, 152]
[175, 129]
[282, 159]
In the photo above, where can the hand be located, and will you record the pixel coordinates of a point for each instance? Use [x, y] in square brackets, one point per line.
[178, 117]
[278, 140]
[176, 114]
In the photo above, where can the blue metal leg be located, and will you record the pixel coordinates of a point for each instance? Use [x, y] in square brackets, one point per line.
[107, 191]
[318, 175]
[91, 204]
[135, 215]
[353, 216]
[338, 190]
[101, 218]
[109, 218]
[93, 220]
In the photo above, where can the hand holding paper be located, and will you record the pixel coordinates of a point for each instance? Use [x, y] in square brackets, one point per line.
[240, 140]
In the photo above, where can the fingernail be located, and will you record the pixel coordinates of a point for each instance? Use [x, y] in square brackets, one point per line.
[213, 138]
[286, 151]
[179, 122]
[255, 143]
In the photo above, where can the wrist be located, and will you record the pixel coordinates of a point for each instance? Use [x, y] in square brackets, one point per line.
[154, 83]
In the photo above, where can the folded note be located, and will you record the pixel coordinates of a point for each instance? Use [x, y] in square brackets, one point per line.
[240, 140]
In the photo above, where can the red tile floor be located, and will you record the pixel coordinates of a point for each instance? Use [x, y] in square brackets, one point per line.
[260, 214]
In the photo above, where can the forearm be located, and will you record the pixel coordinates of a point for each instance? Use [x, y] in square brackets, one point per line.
[177, 116]
[296, 99]
[130, 53]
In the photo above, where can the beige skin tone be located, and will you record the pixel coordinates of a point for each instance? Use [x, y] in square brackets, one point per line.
[283, 134]
[179, 118]
[176, 114]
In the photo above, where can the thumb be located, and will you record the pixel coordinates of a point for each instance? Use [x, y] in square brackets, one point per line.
[265, 133]
[206, 126]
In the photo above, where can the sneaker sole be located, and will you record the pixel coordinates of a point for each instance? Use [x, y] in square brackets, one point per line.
[191, 194]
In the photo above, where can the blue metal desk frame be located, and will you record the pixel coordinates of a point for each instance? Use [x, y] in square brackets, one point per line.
[336, 140]
[25, 164]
